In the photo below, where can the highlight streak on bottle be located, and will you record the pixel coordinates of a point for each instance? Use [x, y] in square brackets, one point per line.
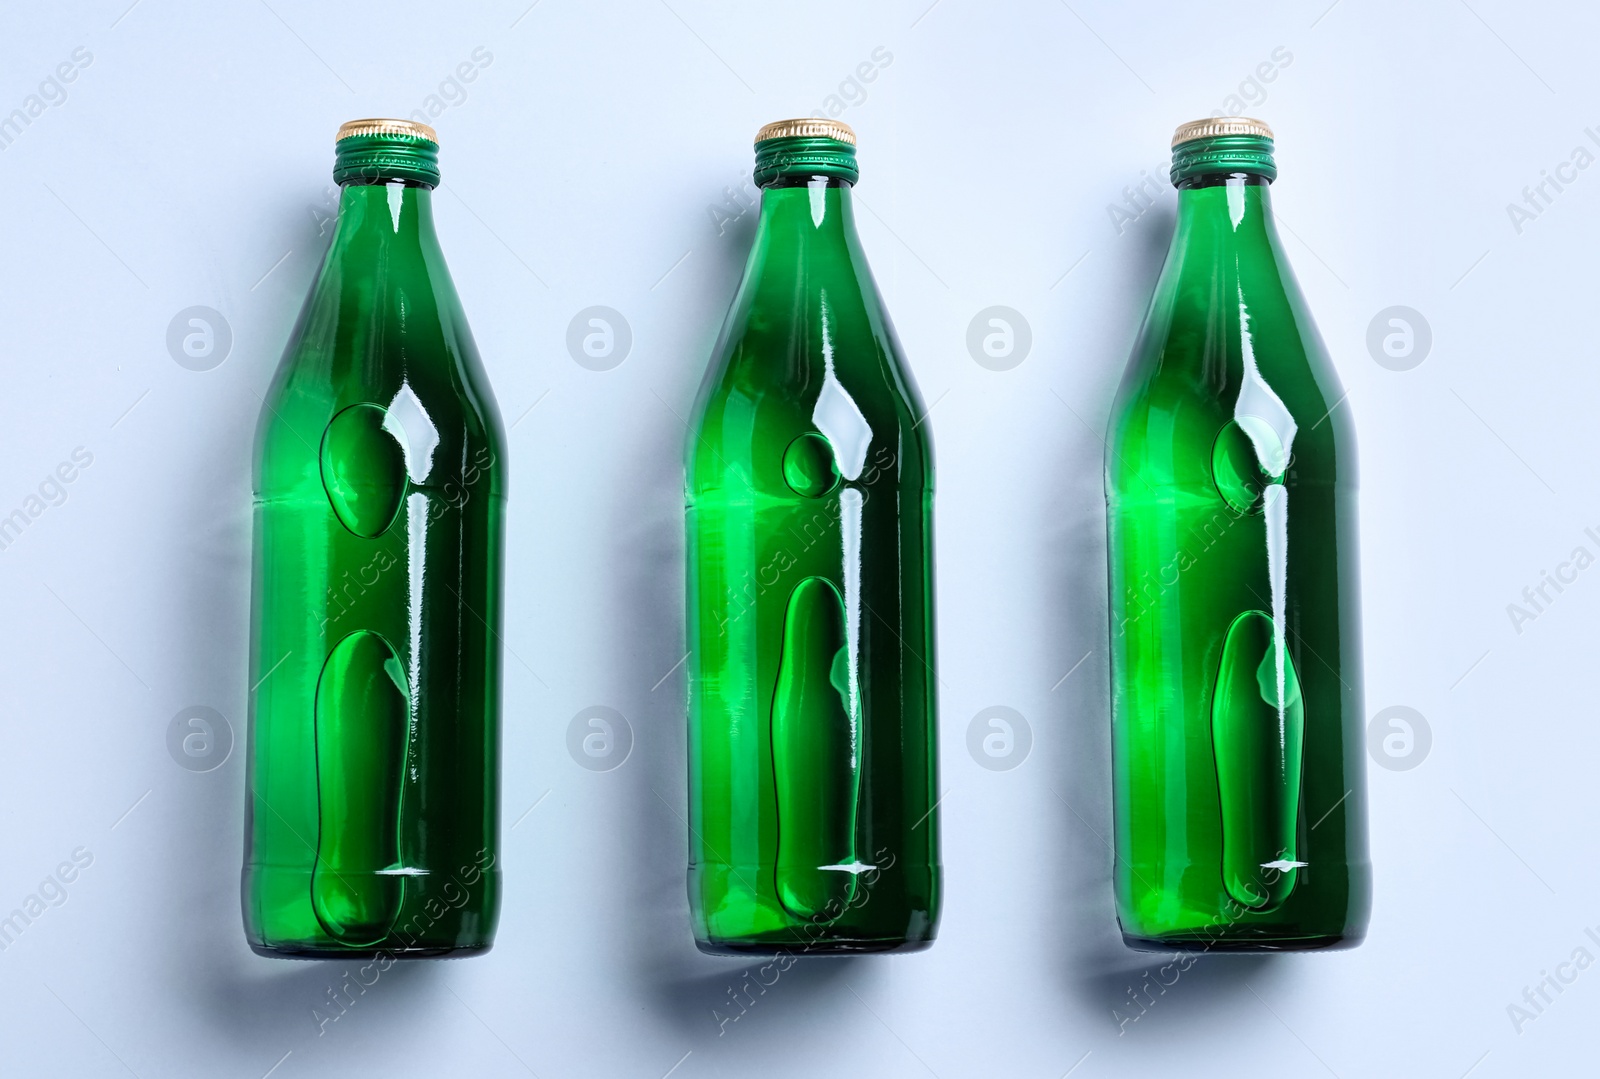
[1263, 416]
[847, 431]
[417, 561]
[362, 712]
[1258, 752]
[815, 762]
[1257, 732]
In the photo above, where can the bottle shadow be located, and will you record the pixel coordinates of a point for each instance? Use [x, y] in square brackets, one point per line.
[1092, 957]
[260, 1006]
[647, 604]
[645, 601]
[248, 1000]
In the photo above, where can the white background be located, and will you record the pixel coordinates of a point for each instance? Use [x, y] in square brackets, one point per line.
[187, 166]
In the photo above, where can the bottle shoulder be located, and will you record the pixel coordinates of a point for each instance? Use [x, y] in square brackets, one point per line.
[807, 350]
[838, 377]
[400, 350]
[808, 426]
[1224, 305]
[1204, 370]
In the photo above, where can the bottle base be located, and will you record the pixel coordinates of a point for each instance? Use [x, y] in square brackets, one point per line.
[808, 949]
[1266, 943]
[298, 951]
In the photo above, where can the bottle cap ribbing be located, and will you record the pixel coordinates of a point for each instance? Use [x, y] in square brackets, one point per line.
[1211, 127]
[807, 128]
[377, 126]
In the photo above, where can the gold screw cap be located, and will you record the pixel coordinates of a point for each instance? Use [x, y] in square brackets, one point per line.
[807, 128]
[1211, 127]
[352, 128]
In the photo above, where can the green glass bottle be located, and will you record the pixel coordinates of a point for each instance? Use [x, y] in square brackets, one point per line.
[810, 592]
[1239, 774]
[372, 821]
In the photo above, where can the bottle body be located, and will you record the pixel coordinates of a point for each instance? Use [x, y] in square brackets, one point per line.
[373, 771]
[812, 685]
[1237, 710]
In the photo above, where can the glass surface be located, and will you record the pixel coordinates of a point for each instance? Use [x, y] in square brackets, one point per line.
[810, 593]
[1239, 778]
[373, 767]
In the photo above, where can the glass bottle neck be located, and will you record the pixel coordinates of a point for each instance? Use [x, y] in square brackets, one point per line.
[814, 212]
[396, 215]
[1228, 210]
